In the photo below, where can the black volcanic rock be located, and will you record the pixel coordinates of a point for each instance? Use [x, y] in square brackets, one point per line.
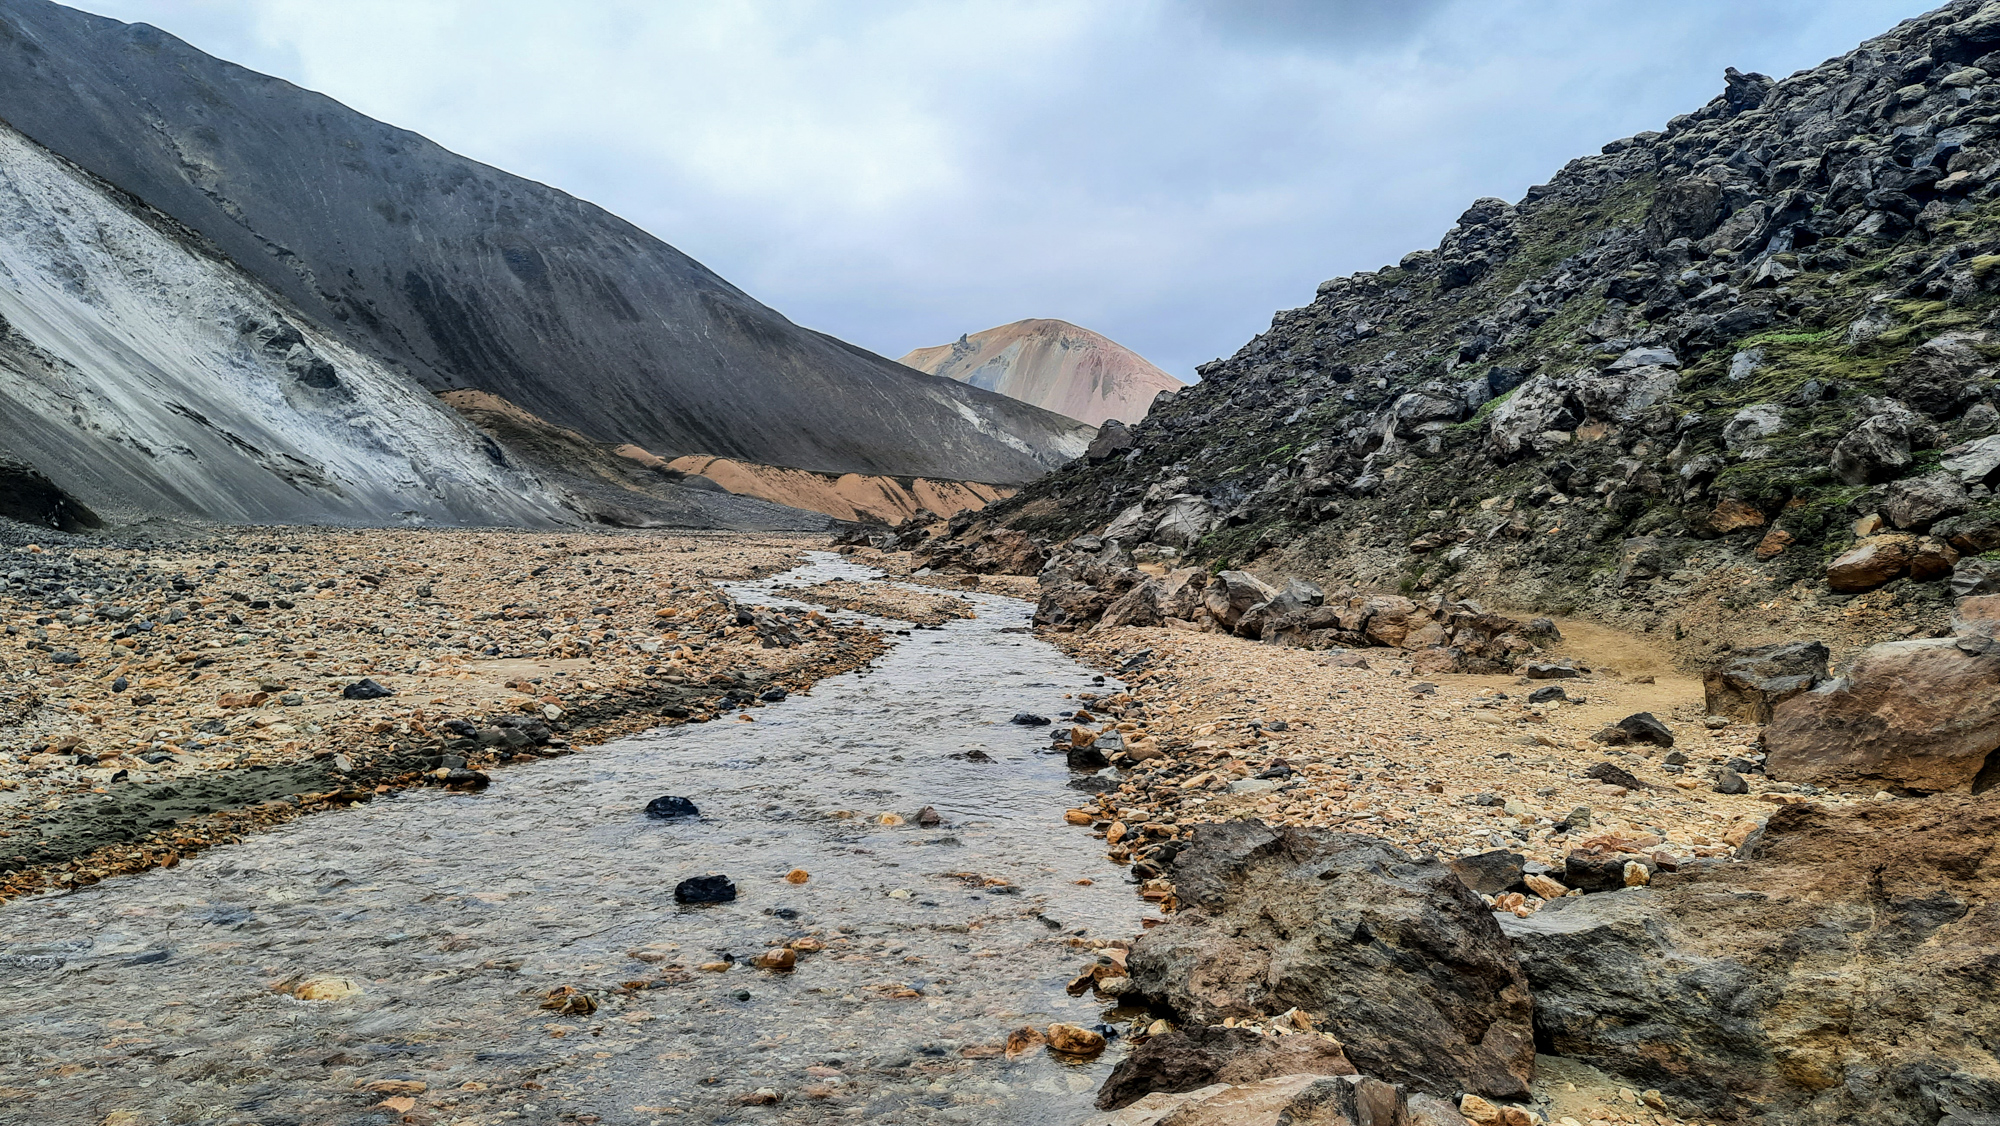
[470, 277]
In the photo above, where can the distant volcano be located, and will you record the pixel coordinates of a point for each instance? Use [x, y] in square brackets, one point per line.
[1053, 365]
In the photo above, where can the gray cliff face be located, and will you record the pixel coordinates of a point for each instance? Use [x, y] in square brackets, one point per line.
[141, 376]
[466, 276]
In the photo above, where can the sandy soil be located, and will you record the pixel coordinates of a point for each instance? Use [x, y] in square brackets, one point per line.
[849, 496]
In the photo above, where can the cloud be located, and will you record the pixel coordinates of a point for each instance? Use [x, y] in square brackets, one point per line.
[898, 172]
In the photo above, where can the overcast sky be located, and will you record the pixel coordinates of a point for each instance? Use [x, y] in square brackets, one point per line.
[897, 173]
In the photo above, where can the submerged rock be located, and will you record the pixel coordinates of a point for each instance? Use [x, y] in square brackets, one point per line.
[668, 806]
[705, 889]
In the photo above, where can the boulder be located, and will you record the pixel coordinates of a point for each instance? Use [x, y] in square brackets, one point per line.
[1286, 1100]
[1139, 606]
[1004, 551]
[1232, 593]
[1394, 956]
[1183, 521]
[1915, 503]
[1844, 974]
[1876, 450]
[1490, 873]
[1871, 563]
[1754, 681]
[1186, 1060]
[1975, 533]
[1975, 576]
[1921, 715]
[1113, 438]
[1975, 463]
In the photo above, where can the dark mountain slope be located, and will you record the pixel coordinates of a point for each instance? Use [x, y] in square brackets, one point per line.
[471, 277]
[1725, 357]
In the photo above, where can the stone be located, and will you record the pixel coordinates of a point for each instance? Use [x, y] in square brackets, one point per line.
[1113, 438]
[1754, 681]
[1922, 715]
[1975, 576]
[1231, 594]
[1773, 544]
[1393, 956]
[797, 876]
[1189, 1059]
[1636, 874]
[668, 806]
[1028, 719]
[1932, 559]
[1489, 873]
[705, 889]
[1074, 1040]
[1478, 1110]
[326, 987]
[929, 818]
[1023, 1040]
[1545, 886]
[1731, 515]
[1975, 463]
[1552, 694]
[1595, 870]
[1550, 670]
[781, 958]
[1643, 727]
[1876, 450]
[365, 689]
[1139, 606]
[568, 1000]
[1729, 782]
[1871, 563]
[1915, 503]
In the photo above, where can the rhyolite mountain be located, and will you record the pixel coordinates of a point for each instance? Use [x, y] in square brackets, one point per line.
[463, 276]
[1055, 365]
[1732, 369]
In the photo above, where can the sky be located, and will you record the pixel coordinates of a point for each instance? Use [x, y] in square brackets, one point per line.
[899, 172]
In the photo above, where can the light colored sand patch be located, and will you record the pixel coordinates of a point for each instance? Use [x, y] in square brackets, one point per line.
[850, 496]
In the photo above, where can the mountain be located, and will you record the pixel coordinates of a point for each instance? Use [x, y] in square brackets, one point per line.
[141, 375]
[1056, 366]
[1703, 381]
[464, 277]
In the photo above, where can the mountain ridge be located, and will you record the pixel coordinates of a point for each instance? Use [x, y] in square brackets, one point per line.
[469, 277]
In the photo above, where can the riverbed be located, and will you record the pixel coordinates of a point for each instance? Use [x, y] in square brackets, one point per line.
[440, 922]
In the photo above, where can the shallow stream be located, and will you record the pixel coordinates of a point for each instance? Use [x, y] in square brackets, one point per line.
[454, 914]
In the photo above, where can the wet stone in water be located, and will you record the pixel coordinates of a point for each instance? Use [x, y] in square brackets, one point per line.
[667, 806]
[705, 889]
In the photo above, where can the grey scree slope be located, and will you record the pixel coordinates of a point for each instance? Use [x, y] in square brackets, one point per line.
[474, 278]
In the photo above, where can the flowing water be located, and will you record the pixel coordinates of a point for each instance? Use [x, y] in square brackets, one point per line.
[153, 996]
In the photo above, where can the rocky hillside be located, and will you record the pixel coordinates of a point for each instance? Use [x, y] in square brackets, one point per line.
[1056, 366]
[142, 376]
[1744, 362]
[466, 277]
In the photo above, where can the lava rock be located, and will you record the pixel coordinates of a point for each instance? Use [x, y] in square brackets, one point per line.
[1547, 670]
[1643, 727]
[1612, 775]
[705, 889]
[1026, 719]
[1729, 782]
[774, 696]
[1490, 873]
[365, 689]
[1396, 957]
[1546, 694]
[668, 807]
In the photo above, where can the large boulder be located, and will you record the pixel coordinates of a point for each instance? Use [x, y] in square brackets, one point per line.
[1754, 681]
[1139, 606]
[1975, 463]
[1915, 503]
[1846, 974]
[1113, 438]
[1394, 956]
[1231, 594]
[1872, 562]
[1183, 520]
[1920, 715]
[1878, 448]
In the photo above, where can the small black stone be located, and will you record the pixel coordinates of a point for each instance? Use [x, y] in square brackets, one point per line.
[1544, 695]
[120, 685]
[667, 807]
[774, 696]
[705, 889]
[1027, 719]
[365, 689]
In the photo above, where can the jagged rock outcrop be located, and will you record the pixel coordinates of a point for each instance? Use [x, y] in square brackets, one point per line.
[1750, 339]
[1056, 366]
[1392, 955]
[461, 276]
[1845, 974]
[1754, 681]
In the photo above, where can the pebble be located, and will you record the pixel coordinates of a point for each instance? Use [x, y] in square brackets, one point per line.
[705, 889]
